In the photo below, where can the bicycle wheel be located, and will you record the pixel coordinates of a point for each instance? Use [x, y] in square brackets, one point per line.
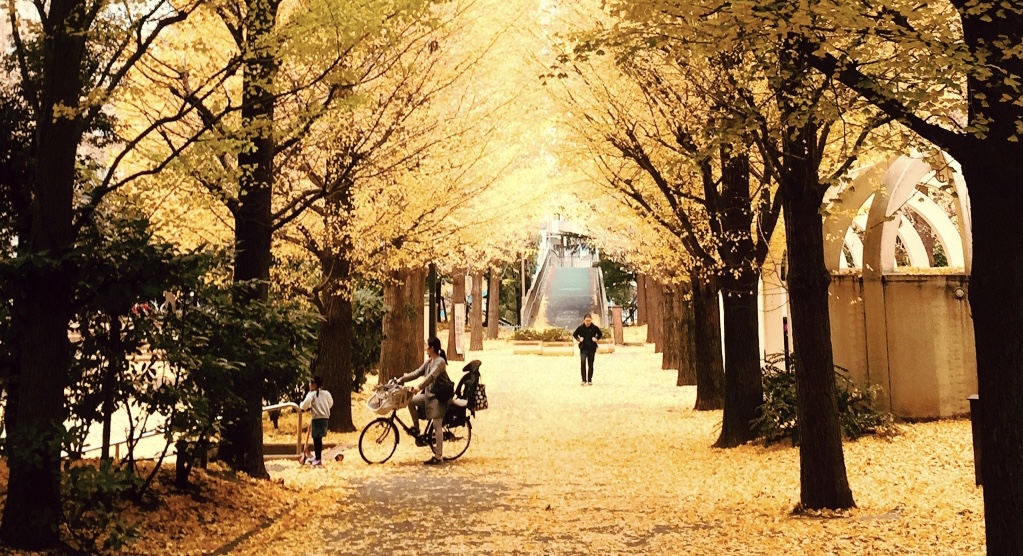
[457, 439]
[378, 441]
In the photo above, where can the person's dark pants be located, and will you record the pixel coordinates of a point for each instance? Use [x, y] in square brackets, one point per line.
[586, 364]
[318, 432]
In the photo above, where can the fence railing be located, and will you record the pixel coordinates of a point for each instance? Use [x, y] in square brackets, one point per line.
[298, 440]
[605, 315]
[532, 304]
[115, 447]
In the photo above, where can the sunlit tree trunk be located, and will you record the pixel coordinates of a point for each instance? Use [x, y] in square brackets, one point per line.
[402, 349]
[641, 308]
[457, 296]
[688, 364]
[494, 304]
[476, 315]
[655, 314]
[670, 353]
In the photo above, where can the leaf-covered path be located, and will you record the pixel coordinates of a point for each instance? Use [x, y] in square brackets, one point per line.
[622, 467]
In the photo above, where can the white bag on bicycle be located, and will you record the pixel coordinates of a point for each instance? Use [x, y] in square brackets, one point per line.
[387, 398]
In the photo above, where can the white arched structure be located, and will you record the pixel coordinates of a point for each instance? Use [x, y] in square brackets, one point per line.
[890, 189]
[905, 328]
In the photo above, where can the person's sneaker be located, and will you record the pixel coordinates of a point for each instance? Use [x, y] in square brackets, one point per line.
[433, 461]
[315, 462]
[583, 383]
[422, 441]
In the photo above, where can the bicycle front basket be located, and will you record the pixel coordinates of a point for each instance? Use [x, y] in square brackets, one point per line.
[386, 399]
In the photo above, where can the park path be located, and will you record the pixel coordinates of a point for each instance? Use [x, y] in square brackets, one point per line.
[620, 467]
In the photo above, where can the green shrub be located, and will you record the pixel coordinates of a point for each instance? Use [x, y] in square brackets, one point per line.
[94, 500]
[368, 322]
[546, 335]
[778, 418]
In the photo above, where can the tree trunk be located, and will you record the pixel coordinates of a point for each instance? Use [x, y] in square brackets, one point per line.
[334, 344]
[440, 301]
[33, 512]
[242, 442]
[710, 369]
[402, 349]
[457, 296]
[687, 367]
[109, 380]
[655, 315]
[744, 391]
[996, 300]
[669, 325]
[641, 308]
[417, 308]
[476, 315]
[494, 304]
[744, 388]
[822, 476]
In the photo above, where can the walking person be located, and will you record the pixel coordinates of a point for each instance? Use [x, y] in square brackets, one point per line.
[586, 336]
[320, 401]
[431, 396]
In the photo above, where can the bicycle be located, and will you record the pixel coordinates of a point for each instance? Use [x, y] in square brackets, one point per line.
[379, 439]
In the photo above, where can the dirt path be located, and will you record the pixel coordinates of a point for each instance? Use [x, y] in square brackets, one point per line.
[622, 467]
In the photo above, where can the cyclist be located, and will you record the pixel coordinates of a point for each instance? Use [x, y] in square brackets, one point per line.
[425, 396]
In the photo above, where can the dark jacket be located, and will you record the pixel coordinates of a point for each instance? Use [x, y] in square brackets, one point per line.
[589, 335]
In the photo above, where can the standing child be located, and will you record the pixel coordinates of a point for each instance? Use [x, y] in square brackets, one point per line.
[320, 401]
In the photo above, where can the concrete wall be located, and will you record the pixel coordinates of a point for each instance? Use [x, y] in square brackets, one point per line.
[931, 352]
[848, 326]
[925, 342]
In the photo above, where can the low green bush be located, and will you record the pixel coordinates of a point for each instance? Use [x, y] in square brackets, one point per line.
[778, 417]
[546, 335]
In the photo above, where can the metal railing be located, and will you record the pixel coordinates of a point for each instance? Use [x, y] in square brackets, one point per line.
[298, 440]
[116, 446]
[536, 291]
[605, 318]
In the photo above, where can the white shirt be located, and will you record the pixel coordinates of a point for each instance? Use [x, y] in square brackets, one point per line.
[321, 402]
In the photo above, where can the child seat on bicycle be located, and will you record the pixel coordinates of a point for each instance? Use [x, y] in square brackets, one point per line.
[465, 395]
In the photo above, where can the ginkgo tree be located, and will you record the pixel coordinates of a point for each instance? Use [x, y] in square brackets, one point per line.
[289, 64]
[809, 131]
[372, 155]
[953, 73]
[679, 156]
[72, 58]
